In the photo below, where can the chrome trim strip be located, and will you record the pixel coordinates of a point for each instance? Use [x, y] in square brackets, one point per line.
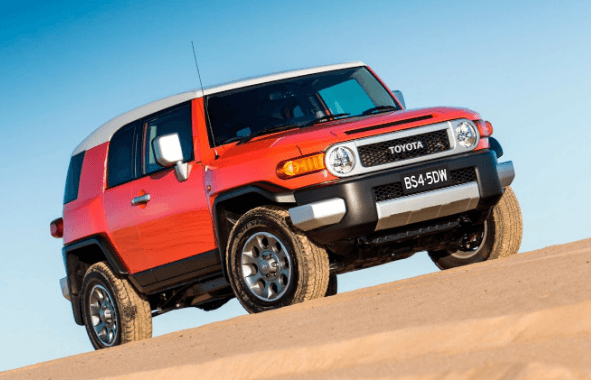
[64, 287]
[429, 205]
[318, 214]
[506, 173]
[455, 148]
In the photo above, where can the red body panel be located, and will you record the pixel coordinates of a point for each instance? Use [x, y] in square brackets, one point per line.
[122, 229]
[85, 216]
[176, 222]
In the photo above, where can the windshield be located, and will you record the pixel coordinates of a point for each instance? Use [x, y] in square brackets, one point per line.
[297, 102]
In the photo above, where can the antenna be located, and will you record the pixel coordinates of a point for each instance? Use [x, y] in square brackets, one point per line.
[197, 66]
[205, 112]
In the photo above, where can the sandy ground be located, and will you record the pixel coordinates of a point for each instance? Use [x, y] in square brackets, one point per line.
[526, 317]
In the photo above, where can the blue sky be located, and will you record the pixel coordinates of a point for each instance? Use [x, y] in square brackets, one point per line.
[66, 67]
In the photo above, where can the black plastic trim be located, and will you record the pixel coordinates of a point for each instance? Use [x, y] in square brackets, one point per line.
[495, 146]
[386, 125]
[177, 273]
[71, 265]
[265, 189]
[103, 243]
[361, 217]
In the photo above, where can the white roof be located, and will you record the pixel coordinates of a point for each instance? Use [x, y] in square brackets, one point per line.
[104, 133]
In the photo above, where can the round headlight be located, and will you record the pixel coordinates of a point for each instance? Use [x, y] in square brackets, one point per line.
[466, 134]
[341, 160]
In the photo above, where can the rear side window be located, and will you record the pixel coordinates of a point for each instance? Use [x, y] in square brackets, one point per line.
[73, 178]
[120, 166]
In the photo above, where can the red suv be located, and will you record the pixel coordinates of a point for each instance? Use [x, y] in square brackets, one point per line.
[265, 189]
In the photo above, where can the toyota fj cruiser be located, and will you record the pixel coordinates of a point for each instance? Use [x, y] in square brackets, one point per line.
[265, 189]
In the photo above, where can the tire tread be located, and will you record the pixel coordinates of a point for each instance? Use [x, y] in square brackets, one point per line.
[134, 309]
[313, 261]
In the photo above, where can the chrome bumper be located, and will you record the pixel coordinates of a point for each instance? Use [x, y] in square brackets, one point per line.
[402, 211]
[65, 289]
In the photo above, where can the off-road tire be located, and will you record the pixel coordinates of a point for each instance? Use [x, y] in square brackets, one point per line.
[310, 265]
[132, 309]
[504, 229]
[333, 285]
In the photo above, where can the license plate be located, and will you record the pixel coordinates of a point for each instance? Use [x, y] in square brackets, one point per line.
[425, 179]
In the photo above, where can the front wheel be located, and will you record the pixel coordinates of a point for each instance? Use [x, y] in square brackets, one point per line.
[273, 264]
[333, 285]
[499, 236]
[113, 312]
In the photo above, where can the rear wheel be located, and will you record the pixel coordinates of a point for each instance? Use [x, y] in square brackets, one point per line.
[273, 264]
[113, 312]
[500, 236]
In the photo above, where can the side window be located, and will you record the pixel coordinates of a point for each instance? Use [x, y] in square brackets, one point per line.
[346, 97]
[120, 168]
[73, 178]
[178, 121]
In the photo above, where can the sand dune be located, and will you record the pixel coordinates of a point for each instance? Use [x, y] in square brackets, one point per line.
[526, 317]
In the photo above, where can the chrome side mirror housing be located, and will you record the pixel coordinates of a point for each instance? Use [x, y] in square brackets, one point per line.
[400, 98]
[168, 152]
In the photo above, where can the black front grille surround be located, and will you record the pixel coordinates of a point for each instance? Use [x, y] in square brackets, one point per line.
[394, 190]
[380, 153]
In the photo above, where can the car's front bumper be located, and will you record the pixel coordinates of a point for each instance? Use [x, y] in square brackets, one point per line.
[348, 209]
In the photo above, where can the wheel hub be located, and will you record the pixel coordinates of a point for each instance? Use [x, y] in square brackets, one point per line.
[103, 315]
[471, 243]
[106, 315]
[269, 264]
[266, 266]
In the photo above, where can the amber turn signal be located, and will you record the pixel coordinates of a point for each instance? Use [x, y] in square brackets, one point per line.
[485, 128]
[300, 166]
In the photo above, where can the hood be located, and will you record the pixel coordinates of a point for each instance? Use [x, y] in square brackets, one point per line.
[314, 139]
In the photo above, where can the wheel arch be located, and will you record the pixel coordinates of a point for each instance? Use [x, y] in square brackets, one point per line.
[78, 257]
[495, 145]
[239, 201]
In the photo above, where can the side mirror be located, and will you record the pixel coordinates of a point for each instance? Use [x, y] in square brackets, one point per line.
[168, 152]
[400, 97]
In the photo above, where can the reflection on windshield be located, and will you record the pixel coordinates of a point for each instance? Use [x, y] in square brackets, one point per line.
[240, 114]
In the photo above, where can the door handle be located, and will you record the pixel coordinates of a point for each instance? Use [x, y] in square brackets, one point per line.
[142, 199]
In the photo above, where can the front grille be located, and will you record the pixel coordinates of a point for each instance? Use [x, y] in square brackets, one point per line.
[380, 153]
[394, 190]
[389, 191]
[462, 176]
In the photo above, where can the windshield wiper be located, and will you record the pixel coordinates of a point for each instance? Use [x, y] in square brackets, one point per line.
[278, 128]
[379, 109]
[232, 139]
[324, 118]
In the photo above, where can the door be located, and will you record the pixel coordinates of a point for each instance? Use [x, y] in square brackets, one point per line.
[175, 223]
[121, 171]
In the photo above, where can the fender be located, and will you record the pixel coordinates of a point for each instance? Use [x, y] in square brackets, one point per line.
[495, 146]
[98, 247]
[273, 193]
